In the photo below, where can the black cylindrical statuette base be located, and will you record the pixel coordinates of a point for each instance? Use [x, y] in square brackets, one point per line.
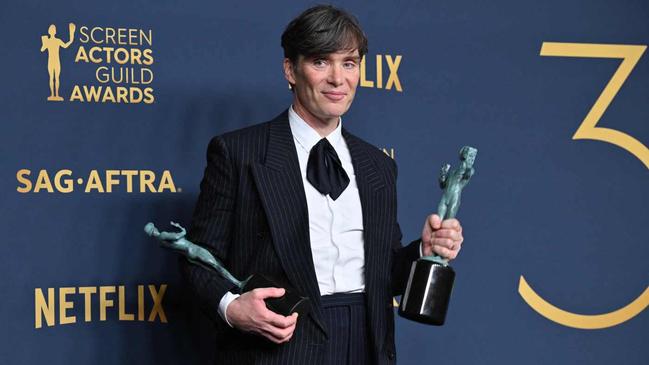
[427, 293]
[285, 305]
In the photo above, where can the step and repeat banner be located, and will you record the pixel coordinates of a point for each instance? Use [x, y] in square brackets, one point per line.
[108, 107]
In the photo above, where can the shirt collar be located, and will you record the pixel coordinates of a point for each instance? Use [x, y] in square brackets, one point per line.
[306, 136]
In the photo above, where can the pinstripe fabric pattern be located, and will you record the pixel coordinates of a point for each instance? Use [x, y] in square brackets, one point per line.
[345, 318]
[252, 214]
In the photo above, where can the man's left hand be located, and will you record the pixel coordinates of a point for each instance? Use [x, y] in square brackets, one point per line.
[442, 237]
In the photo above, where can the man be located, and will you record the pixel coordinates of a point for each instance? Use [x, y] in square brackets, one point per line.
[303, 201]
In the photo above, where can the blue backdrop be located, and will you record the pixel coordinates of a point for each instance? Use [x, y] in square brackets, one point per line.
[568, 215]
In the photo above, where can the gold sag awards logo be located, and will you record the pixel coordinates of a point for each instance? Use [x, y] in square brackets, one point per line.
[630, 55]
[149, 307]
[122, 58]
[107, 181]
[52, 45]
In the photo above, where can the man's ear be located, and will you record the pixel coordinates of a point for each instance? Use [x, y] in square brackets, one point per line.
[289, 71]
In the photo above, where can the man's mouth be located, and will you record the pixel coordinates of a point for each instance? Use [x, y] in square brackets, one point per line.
[334, 95]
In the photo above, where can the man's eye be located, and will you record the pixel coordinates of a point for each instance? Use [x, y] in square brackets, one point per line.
[349, 65]
[319, 63]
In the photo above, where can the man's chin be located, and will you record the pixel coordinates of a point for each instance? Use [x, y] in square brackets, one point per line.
[337, 111]
[336, 115]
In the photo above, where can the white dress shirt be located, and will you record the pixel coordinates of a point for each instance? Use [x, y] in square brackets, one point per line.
[335, 226]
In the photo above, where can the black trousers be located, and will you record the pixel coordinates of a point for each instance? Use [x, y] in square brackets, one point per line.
[345, 318]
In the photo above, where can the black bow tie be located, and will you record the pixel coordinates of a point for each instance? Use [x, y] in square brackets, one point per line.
[325, 171]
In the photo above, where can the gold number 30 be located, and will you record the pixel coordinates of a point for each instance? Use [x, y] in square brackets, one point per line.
[630, 55]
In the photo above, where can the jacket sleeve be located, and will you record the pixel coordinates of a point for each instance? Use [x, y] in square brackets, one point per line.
[402, 256]
[211, 228]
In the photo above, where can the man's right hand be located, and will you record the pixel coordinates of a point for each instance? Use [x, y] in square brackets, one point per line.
[248, 313]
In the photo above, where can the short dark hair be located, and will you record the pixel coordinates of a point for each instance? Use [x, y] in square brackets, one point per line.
[320, 30]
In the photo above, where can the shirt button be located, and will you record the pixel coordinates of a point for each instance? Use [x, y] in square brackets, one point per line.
[391, 355]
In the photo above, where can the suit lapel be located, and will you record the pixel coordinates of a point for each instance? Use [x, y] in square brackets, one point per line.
[281, 191]
[371, 189]
[365, 168]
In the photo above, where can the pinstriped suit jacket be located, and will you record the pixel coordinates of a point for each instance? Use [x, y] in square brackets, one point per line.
[252, 213]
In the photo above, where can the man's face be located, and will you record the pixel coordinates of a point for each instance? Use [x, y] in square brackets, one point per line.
[324, 85]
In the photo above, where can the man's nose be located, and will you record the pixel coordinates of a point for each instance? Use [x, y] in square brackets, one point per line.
[335, 76]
